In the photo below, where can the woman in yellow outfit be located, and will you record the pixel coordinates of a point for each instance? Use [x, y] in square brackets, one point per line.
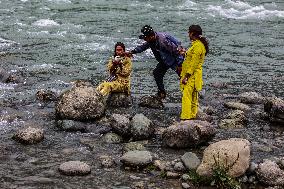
[191, 74]
[119, 67]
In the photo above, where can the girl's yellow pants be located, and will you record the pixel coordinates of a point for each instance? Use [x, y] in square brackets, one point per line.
[106, 88]
[189, 104]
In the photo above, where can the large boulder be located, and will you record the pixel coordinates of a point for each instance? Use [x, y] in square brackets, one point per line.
[232, 155]
[81, 102]
[270, 173]
[188, 134]
[275, 109]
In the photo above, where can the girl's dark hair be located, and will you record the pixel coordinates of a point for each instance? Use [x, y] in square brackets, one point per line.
[118, 44]
[197, 32]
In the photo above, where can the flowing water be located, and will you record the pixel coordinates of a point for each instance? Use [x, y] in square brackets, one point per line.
[51, 43]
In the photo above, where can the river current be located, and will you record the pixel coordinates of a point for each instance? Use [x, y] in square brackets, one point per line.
[53, 42]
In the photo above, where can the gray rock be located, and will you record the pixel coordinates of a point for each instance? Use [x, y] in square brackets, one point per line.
[269, 173]
[188, 134]
[74, 168]
[112, 138]
[81, 102]
[233, 154]
[151, 102]
[179, 167]
[275, 109]
[120, 124]
[251, 98]
[106, 161]
[46, 95]
[237, 105]
[141, 127]
[119, 100]
[29, 135]
[71, 125]
[190, 160]
[185, 185]
[137, 158]
[131, 146]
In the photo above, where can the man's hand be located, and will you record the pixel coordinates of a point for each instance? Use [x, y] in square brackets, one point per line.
[128, 54]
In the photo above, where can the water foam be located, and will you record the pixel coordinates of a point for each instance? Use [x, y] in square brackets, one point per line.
[45, 23]
[243, 10]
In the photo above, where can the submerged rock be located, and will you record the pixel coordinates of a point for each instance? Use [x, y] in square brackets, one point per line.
[71, 125]
[29, 135]
[232, 154]
[188, 134]
[80, 103]
[74, 168]
[234, 119]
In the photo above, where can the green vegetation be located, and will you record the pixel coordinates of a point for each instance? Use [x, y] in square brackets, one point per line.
[220, 177]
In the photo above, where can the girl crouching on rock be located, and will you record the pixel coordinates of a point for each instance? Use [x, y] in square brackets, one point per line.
[119, 68]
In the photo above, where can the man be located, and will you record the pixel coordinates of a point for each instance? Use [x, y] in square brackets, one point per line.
[166, 51]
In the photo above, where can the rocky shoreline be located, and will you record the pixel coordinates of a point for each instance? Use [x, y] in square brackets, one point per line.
[140, 143]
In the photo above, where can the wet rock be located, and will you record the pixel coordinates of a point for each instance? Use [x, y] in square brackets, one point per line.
[139, 185]
[251, 98]
[160, 165]
[4, 75]
[120, 124]
[46, 95]
[119, 100]
[131, 146]
[219, 85]
[237, 105]
[190, 160]
[252, 167]
[204, 117]
[185, 177]
[230, 124]
[74, 168]
[141, 127]
[29, 135]
[80, 103]
[270, 173]
[188, 134]
[208, 110]
[172, 175]
[179, 167]
[137, 158]
[112, 138]
[185, 185]
[106, 161]
[151, 102]
[71, 125]
[232, 154]
[275, 109]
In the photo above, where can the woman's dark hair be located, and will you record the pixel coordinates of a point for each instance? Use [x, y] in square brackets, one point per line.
[118, 44]
[197, 32]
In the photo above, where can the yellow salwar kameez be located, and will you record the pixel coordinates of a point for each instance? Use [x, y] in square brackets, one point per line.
[122, 82]
[192, 65]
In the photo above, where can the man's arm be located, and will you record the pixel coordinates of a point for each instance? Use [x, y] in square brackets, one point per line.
[140, 48]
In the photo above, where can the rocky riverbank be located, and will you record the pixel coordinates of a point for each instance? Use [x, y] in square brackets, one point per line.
[139, 143]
